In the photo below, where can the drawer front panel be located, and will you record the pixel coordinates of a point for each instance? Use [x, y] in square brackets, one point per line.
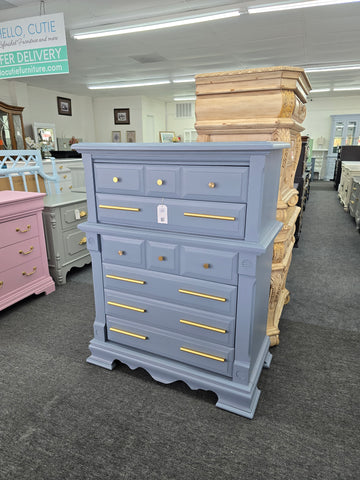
[123, 251]
[21, 276]
[162, 257]
[225, 219]
[162, 181]
[18, 253]
[186, 321]
[215, 183]
[18, 230]
[75, 242]
[209, 296]
[73, 214]
[210, 265]
[205, 355]
[120, 179]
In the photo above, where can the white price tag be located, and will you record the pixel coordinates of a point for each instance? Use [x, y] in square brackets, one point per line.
[77, 214]
[162, 214]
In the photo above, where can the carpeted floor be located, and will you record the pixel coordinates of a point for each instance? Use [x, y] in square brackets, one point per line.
[61, 418]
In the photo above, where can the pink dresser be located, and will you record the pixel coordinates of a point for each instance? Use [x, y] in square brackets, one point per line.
[23, 260]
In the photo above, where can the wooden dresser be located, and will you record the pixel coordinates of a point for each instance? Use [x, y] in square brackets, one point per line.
[66, 244]
[181, 238]
[23, 264]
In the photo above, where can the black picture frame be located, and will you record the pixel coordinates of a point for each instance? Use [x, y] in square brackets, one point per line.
[64, 106]
[122, 116]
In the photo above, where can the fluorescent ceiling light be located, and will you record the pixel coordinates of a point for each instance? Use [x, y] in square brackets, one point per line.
[184, 80]
[345, 89]
[106, 32]
[318, 90]
[294, 5]
[332, 69]
[128, 85]
[184, 99]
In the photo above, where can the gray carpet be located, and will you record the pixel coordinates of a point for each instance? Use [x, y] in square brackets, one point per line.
[61, 418]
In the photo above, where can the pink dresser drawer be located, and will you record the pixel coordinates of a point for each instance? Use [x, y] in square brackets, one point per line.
[18, 253]
[18, 230]
[20, 276]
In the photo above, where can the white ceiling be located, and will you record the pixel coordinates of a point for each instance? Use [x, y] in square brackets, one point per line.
[319, 36]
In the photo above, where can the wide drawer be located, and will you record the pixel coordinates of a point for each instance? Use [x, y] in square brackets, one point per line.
[21, 275]
[205, 355]
[18, 253]
[73, 214]
[207, 218]
[17, 230]
[209, 296]
[167, 316]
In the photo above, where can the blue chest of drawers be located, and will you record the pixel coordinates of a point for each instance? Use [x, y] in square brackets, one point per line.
[181, 239]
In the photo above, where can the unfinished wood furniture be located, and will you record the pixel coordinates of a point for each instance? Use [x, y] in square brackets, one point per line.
[23, 263]
[181, 238]
[260, 104]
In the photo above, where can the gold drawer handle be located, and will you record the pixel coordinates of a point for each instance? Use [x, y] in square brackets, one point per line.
[111, 207]
[160, 182]
[26, 253]
[61, 167]
[161, 259]
[131, 280]
[61, 189]
[211, 185]
[116, 179]
[82, 241]
[83, 213]
[204, 295]
[206, 265]
[202, 354]
[121, 252]
[142, 337]
[201, 325]
[352, 201]
[1, 283]
[64, 176]
[31, 273]
[202, 215]
[24, 231]
[70, 187]
[128, 307]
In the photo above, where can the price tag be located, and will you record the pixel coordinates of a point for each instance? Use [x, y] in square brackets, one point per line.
[77, 214]
[162, 214]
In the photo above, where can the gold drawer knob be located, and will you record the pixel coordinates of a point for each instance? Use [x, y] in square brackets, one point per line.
[162, 259]
[61, 167]
[116, 179]
[61, 189]
[1, 283]
[64, 176]
[70, 187]
[83, 214]
[160, 182]
[121, 252]
[211, 185]
[82, 241]
[206, 265]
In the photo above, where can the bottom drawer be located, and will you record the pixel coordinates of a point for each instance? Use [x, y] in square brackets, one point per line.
[20, 276]
[205, 355]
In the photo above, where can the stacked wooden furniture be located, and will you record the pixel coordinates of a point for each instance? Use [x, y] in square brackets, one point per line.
[23, 266]
[261, 104]
[181, 238]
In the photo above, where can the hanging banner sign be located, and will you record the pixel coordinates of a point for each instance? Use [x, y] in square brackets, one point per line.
[33, 46]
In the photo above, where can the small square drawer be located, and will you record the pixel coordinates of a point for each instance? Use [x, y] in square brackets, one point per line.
[75, 242]
[18, 230]
[215, 183]
[162, 257]
[213, 265]
[123, 251]
[73, 214]
[161, 181]
[122, 179]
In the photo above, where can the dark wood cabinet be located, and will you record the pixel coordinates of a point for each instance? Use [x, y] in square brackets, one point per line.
[12, 136]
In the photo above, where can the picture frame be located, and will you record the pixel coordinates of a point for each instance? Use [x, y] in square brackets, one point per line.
[130, 136]
[116, 137]
[122, 116]
[166, 137]
[64, 106]
[45, 134]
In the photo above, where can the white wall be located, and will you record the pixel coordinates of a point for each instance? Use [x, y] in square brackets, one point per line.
[154, 119]
[178, 125]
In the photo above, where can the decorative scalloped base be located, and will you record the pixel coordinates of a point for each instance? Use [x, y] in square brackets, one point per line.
[232, 396]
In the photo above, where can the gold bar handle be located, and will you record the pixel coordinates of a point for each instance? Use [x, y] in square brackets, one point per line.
[128, 307]
[124, 332]
[203, 215]
[26, 253]
[1, 283]
[112, 207]
[201, 325]
[202, 354]
[203, 295]
[31, 273]
[82, 241]
[28, 227]
[131, 280]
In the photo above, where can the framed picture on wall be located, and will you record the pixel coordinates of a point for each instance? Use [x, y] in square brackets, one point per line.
[122, 116]
[166, 137]
[116, 137]
[64, 106]
[131, 136]
[44, 133]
